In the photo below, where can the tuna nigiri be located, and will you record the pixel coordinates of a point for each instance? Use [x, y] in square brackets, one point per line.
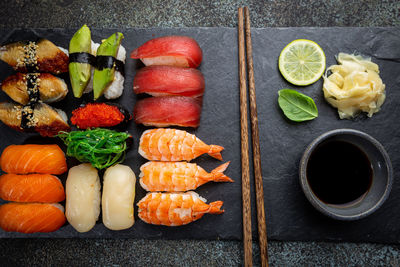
[42, 118]
[31, 217]
[51, 88]
[168, 80]
[24, 159]
[40, 56]
[174, 209]
[179, 51]
[168, 110]
[178, 176]
[174, 145]
[31, 188]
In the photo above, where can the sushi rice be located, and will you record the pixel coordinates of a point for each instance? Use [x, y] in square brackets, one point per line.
[64, 50]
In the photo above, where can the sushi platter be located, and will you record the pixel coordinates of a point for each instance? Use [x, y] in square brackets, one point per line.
[289, 215]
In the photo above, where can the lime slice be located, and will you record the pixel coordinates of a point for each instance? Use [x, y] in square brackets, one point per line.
[302, 62]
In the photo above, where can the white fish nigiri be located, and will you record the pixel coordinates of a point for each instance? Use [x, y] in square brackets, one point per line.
[82, 191]
[118, 197]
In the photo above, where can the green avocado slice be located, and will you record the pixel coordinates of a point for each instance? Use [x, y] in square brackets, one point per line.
[102, 78]
[79, 73]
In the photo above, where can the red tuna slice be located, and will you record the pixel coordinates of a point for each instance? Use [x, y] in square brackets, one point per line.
[168, 110]
[178, 51]
[167, 80]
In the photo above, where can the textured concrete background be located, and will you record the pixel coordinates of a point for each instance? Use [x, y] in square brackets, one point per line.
[159, 13]
[180, 13]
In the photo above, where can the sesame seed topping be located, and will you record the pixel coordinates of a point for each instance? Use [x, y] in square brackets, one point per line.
[29, 58]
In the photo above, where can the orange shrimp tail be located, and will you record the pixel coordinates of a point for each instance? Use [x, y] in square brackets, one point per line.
[218, 173]
[215, 151]
[215, 207]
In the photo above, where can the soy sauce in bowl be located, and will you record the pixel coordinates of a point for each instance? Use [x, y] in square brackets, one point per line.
[339, 172]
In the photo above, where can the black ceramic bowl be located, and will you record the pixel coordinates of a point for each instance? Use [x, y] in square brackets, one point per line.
[382, 175]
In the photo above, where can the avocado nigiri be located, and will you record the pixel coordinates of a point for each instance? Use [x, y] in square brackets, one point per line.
[80, 72]
[106, 63]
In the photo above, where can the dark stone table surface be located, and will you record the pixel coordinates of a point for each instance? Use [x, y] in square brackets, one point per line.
[180, 13]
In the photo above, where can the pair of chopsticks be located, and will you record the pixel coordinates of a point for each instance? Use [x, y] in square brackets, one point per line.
[246, 201]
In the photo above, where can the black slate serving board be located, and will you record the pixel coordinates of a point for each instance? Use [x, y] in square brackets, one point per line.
[289, 215]
[219, 125]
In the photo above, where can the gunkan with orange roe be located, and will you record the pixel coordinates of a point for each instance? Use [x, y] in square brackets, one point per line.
[93, 115]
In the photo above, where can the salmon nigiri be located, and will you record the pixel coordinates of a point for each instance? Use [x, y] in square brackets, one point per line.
[24, 159]
[174, 145]
[179, 51]
[174, 209]
[31, 217]
[168, 80]
[31, 188]
[178, 176]
[165, 111]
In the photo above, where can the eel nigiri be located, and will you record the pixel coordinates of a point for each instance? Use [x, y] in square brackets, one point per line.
[40, 56]
[179, 51]
[80, 72]
[31, 188]
[178, 176]
[118, 197]
[99, 115]
[164, 111]
[175, 209]
[104, 76]
[31, 217]
[82, 189]
[51, 88]
[24, 159]
[47, 121]
[168, 80]
[174, 145]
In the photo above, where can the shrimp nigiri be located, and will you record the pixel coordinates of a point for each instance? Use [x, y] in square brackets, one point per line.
[31, 188]
[179, 51]
[24, 159]
[31, 217]
[174, 209]
[178, 176]
[174, 145]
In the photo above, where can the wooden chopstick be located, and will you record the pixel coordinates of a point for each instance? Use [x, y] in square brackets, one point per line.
[261, 224]
[246, 201]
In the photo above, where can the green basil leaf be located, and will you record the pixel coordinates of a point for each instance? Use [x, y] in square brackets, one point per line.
[296, 106]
